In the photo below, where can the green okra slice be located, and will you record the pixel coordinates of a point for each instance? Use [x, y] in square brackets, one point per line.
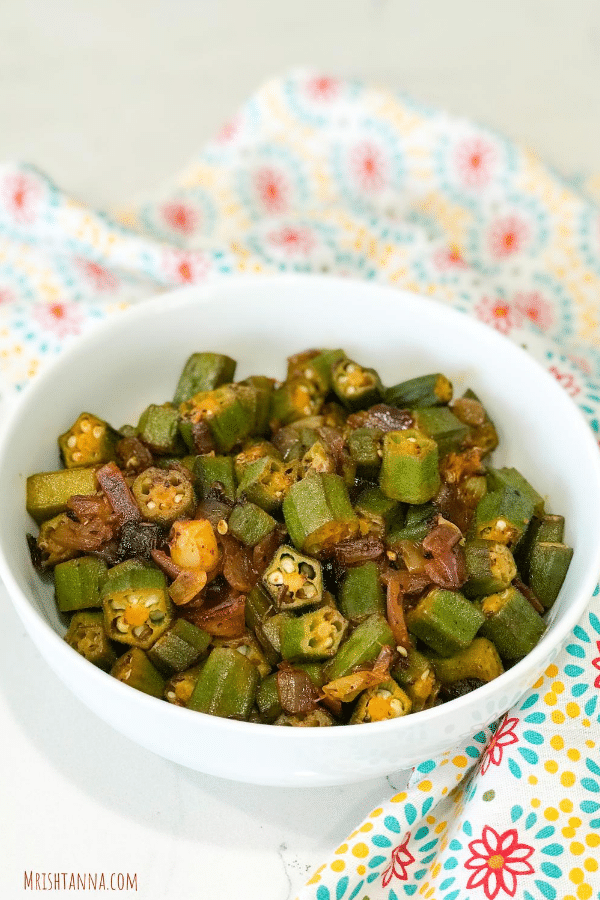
[361, 592]
[503, 516]
[164, 495]
[409, 469]
[87, 636]
[158, 428]
[479, 660]
[379, 511]
[354, 386]
[179, 648]
[318, 513]
[78, 582]
[212, 469]
[49, 492]
[385, 701]
[415, 525]
[203, 372]
[90, 441]
[268, 634]
[546, 529]
[366, 449]
[268, 699]
[315, 366]
[509, 477]
[548, 566]
[180, 686]
[426, 390]
[444, 620]
[363, 645]
[249, 523]
[226, 686]
[490, 568]
[313, 636]
[258, 606]
[251, 452]
[293, 580]
[229, 411]
[52, 552]
[294, 399]
[137, 607]
[318, 458]
[442, 426]
[316, 718]
[263, 388]
[482, 432]
[248, 646]
[135, 669]
[416, 676]
[295, 439]
[511, 623]
[266, 482]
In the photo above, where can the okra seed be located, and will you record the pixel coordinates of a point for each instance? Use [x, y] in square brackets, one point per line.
[171, 695]
[222, 526]
[157, 616]
[307, 570]
[85, 426]
[425, 674]
[121, 625]
[142, 631]
[97, 432]
[309, 591]
[288, 565]
[72, 442]
[150, 601]
[118, 604]
[275, 578]
[327, 643]
[77, 456]
[402, 651]
[391, 554]
[385, 695]
[178, 498]
[395, 705]
[151, 504]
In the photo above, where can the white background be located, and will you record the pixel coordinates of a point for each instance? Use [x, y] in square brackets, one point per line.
[110, 99]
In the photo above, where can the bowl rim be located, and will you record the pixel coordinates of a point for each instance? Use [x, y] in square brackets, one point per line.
[203, 293]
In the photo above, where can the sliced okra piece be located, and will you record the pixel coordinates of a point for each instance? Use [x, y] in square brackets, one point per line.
[267, 698]
[409, 469]
[314, 670]
[163, 495]
[250, 453]
[442, 426]
[294, 399]
[479, 660]
[512, 478]
[226, 686]
[551, 529]
[490, 568]
[180, 686]
[363, 645]
[268, 634]
[318, 458]
[203, 372]
[128, 431]
[135, 669]
[227, 411]
[354, 386]
[249, 524]
[415, 526]
[318, 513]
[482, 432]
[158, 428]
[293, 580]
[316, 366]
[49, 492]
[376, 512]
[547, 529]
[86, 634]
[444, 620]
[211, 469]
[424, 391]
[78, 583]
[264, 389]
[137, 608]
[89, 442]
[316, 718]
[313, 636]
[266, 482]
[258, 607]
[385, 701]
[416, 676]
[511, 623]
[366, 449]
[361, 592]
[51, 551]
[548, 565]
[249, 647]
[503, 516]
[179, 648]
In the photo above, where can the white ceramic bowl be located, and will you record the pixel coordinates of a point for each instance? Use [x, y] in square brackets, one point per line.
[135, 358]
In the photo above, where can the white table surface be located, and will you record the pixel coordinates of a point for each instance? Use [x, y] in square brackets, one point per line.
[111, 98]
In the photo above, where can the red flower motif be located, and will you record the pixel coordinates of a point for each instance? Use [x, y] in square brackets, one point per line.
[20, 195]
[507, 236]
[567, 380]
[368, 166]
[101, 278]
[475, 160]
[185, 268]
[503, 737]
[180, 217]
[272, 189]
[293, 240]
[323, 87]
[449, 258]
[228, 131]
[498, 312]
[398, 867]
[533, 307]
[497, 860]
[60, 318]
[596, 665]
[6, 296]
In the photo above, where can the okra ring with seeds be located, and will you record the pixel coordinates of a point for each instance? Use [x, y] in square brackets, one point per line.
[163, 495]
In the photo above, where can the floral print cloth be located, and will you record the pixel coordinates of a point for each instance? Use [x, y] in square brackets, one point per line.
[320, 174]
